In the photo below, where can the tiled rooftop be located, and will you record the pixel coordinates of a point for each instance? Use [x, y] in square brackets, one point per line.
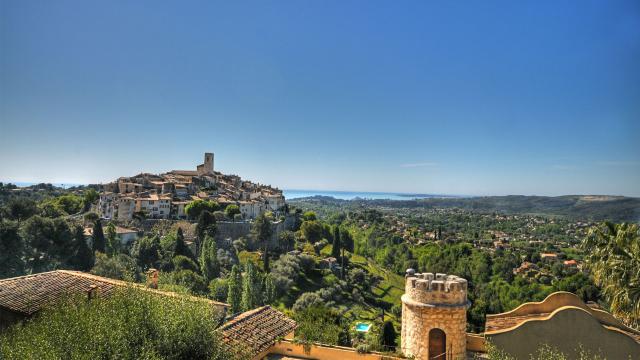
[257, 329]
[28, 294]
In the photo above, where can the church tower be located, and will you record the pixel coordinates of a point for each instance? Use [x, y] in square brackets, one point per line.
[434, 316]
[207, 167]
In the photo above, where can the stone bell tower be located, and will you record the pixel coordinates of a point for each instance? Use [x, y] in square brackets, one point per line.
[434, 316]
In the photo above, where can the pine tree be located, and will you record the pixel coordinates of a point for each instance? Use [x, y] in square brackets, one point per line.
[84, 258]
[98, 237]
[337, 244]
[251, 288]
[234, 295]
[209, 259]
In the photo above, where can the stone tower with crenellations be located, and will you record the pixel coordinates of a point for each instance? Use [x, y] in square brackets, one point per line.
[434, 316]
[207, 167]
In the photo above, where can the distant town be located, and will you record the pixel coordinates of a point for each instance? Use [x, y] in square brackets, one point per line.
[165, 196]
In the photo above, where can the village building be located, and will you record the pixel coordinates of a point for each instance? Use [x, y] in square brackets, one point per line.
[165, 196]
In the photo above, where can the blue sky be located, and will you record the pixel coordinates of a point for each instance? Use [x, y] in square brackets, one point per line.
[478, 97]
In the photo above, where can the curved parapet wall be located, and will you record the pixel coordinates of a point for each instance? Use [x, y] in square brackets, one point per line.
[557, 300]
[567, 329]
[434, 302]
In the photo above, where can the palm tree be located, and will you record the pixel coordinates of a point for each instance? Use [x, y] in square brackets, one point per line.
[613, 257]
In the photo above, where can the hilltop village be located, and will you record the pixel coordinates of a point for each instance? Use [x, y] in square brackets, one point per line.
[165, 196]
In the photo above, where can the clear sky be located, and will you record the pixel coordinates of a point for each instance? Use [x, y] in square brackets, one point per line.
[453, 97]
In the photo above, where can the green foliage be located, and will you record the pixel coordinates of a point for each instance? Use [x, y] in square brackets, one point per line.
[195, 208]
[231, 211]
[234, 297]
[98, 240]
[337, 244]
[130, 324]
[11, 250]
[181, 262]
[251, 288]
[113, 244]
[320, 324]
[613, 256]
[269, 290]
[312, 230]
[121, 267]
[219, 289]
[309, 216]
[189, 279]
[84, 258]
[20, 209]
[147, 251]
[387, 336]
[209, 259]
[206, 226]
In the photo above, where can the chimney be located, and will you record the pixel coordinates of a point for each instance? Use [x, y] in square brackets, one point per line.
[92, 292]
[152, 278]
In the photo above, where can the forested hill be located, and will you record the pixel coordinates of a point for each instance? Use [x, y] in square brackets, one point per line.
[587, 207]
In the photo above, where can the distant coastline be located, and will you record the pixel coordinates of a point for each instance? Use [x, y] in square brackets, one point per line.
[366, 195]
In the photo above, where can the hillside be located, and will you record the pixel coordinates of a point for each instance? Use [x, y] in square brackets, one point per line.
[587, 207]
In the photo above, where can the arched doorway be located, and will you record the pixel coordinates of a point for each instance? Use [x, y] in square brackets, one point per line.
[437, 344]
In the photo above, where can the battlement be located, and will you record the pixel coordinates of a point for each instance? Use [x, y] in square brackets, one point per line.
[436, 289]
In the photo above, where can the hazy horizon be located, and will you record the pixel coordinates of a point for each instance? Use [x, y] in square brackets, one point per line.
[490, 98]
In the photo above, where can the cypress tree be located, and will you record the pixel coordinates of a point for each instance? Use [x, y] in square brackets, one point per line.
[234, 295]
[337, 244]
[181, 247]
[98, 237]
[209, 259]
[388, 336]
[84, 258]
[269, 290]
[251, 288]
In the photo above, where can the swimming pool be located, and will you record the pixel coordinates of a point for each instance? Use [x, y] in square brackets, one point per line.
[363, 327]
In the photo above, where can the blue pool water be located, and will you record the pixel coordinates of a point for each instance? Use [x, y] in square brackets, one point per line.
[363, 327]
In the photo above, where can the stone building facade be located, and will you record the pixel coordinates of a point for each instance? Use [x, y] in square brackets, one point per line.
[434, 316]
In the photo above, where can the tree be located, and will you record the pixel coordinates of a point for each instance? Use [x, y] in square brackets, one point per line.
[113, 242]
[231, 211]
[312, 230]
[181, 262]
[388, 336]
[181, 247]
[20, 209]
[335, 250]
[206, 226]
[234, 296]
[613, 256]
[269, 290]
[89, 197]
[209, 259]
[147, 251]
[251, 288]
[121, 266]
[262, 230]
[286, 239]
[11, 250]
[84, 258]
[347, 241]
[98, 237]
[197, 207]
[309, 216]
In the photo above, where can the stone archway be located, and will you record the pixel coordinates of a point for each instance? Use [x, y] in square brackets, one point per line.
[437, 344]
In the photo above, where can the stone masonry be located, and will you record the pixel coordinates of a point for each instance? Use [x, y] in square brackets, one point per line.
[434, 302]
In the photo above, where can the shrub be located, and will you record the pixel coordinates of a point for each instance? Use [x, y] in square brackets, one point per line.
[129, 324]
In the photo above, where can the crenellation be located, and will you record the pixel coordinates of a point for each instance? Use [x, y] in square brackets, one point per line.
[433, 301]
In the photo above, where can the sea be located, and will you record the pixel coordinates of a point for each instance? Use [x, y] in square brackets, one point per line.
[351, 195]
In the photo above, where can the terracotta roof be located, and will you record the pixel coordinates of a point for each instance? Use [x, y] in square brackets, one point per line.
[257, 329]
[28, 294]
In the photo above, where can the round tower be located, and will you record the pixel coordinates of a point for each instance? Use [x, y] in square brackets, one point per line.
[434, 316]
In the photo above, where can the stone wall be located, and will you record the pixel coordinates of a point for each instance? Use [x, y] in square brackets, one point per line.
[434, 302]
